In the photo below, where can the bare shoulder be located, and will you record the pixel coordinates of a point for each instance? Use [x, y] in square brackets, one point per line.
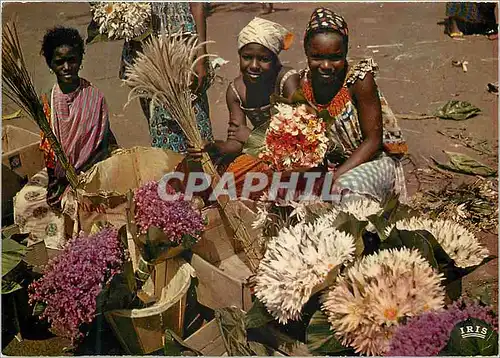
[291, 84]
[364, 87]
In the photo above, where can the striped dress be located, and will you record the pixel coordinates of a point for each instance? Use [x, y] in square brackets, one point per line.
[80, 121]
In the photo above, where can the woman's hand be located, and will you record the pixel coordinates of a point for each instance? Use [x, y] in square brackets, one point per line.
[198, 82]
[238, 132]
[195, 154]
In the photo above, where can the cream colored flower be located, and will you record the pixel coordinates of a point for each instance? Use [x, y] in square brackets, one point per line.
[300, 207]
[122, 20]
[362, 208]
[261, 219]
[458, 242]
[297, 260]
[374, 295]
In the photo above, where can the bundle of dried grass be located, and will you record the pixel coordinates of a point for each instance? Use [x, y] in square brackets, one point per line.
[163, 73]
[475, 205]
[20, 89]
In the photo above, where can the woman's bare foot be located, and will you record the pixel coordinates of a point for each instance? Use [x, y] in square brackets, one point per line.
[492, 34]
[452, 28]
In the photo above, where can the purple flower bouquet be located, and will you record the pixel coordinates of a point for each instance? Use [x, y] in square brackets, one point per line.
[73, 280]
[429, 333]
[163, 225]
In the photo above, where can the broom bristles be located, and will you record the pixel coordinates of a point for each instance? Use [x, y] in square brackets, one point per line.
[21, 90]
[163, 72]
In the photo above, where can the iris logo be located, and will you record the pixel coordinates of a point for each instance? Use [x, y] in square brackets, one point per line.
[473, 331]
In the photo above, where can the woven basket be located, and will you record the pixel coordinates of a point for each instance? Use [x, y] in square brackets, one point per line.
[141, 331]
[103, 196]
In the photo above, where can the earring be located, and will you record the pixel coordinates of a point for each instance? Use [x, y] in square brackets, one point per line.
[51, 71]
[81, 67]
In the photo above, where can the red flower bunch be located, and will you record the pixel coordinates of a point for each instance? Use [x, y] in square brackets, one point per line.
[295, 139]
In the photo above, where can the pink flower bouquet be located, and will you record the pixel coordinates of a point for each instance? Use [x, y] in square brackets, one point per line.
[295, 139]
[72, 281]
[164, 224]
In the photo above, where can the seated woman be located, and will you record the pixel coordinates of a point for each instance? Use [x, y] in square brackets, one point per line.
[348, 98]
[248, 95]
[79, 118]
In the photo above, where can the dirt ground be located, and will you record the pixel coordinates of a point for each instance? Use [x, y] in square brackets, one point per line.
[405, 39]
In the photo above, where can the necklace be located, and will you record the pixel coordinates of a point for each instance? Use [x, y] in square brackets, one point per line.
[336, 104]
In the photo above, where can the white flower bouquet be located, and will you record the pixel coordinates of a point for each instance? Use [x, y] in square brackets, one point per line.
[122, 20]
[374, 266]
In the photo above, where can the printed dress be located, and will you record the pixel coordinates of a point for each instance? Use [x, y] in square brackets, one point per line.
[379, 177]
[163, 129]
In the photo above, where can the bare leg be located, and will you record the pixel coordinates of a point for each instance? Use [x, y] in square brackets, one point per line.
[267, 8]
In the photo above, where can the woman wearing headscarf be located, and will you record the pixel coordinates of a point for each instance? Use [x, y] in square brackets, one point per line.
[365, 142]
[248, 96]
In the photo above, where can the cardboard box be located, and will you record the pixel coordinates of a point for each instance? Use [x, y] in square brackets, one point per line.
[217, 242]
[21, 159]
[223, 286]
[208, 340]
[21, 152]
[102, 196]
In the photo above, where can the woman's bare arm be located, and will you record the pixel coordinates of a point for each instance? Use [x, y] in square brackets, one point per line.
[370, 120]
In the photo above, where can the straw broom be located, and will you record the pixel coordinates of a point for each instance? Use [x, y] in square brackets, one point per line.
[163, 72]
[20, 89]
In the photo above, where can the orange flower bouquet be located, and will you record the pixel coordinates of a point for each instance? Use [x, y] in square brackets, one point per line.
[295, 139]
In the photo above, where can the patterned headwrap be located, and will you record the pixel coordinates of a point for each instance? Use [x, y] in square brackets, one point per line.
[325, 19]
[266, 33]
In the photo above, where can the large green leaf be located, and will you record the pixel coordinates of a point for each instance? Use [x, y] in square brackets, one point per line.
[188, 241]
[94, 36]
[452, 273]
[231, 323]
[464, 164]
[380, 224]
[39, 308]
[457, 110]
[412, 240]
[419, 241]
[256, 141]
[257, 316]
[320, 338]
[348, 223]
[472, 337]
[12, 255]
[394, 210]
[10, 286]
